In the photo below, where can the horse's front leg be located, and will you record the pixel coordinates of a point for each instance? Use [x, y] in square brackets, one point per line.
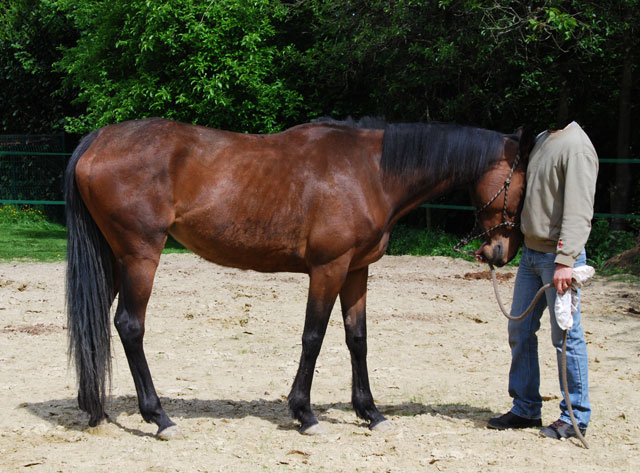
[353, 299]
[324, 284]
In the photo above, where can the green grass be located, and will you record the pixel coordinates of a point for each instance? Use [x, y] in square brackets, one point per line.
[413, 241]
[39, 240]
[173, 246]
[45, 242]
[25, 234]
[42, 241]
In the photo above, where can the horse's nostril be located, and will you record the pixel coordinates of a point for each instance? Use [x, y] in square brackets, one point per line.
[498, 251]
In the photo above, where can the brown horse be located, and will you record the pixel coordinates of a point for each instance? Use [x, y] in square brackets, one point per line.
[319, 198]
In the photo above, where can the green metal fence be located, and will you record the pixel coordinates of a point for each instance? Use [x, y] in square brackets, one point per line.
[596, 214]
[36, 177]
[468, 207]
[32, 169]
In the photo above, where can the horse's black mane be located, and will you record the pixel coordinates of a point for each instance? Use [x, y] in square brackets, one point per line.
[440, 150]
[371, 123]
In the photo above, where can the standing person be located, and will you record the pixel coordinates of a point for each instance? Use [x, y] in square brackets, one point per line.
[556, 221]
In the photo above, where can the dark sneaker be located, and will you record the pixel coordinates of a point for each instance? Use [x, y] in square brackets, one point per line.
[512, 421]
[560, 430]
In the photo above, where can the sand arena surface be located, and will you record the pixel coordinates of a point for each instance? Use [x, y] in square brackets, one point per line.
[223, 346]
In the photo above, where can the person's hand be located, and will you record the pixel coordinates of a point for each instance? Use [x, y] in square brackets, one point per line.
[562, 278]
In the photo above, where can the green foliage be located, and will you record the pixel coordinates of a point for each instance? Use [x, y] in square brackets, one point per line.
[407, 60]
[604, 243]
[23, 214]
[265, 64]
[32, 96]
[212, 63]
[492, 63]
[262, 65]
[407, 240]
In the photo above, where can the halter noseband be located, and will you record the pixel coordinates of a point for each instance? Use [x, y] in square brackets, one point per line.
[505, 222]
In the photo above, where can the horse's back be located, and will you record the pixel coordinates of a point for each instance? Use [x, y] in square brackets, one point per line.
[267, 202]
[263, 201]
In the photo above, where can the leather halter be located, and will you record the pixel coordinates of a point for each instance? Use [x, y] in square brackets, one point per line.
[504, 223]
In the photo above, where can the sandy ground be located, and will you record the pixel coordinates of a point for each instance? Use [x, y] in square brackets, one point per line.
[223, 346]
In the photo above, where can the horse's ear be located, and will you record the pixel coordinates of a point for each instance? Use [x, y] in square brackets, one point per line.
[526, 138]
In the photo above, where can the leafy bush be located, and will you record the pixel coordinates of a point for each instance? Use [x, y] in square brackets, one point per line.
[407, 240]
[24, 214]
[211, 63]
[604, 243]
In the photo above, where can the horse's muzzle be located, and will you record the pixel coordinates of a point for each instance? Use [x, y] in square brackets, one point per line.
[493, 253]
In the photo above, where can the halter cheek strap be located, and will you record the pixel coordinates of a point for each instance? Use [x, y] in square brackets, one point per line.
[504, 223]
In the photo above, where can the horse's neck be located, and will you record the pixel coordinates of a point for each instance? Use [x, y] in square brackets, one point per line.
[422, 162]
[405, 193]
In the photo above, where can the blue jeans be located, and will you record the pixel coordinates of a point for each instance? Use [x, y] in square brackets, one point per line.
[536, 269]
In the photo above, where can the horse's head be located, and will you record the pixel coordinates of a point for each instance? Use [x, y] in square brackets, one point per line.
[498, 197]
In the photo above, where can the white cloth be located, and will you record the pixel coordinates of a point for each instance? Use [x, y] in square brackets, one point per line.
[567, 304]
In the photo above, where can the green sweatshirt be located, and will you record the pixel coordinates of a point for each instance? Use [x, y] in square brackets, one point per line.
[561, 184]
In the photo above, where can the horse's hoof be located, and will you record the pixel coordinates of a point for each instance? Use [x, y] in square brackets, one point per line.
[384, 426]
[315, 429]
[170, 433]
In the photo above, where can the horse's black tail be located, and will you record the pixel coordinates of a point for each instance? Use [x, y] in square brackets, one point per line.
[90, 293]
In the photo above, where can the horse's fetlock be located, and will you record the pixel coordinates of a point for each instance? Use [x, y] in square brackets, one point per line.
[150, 408]
[298, 405]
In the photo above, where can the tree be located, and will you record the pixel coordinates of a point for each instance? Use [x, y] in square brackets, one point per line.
[213, 63]
[407, 60]
[32, 96]
[626, 45]
[581, 53]
[492, 63]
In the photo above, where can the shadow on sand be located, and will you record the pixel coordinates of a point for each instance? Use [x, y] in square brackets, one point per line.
[65, 412]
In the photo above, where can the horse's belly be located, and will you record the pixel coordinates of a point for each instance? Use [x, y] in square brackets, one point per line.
[243, 246]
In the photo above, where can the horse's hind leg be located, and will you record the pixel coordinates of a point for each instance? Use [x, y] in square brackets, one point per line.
[353, 297]
[136, 279]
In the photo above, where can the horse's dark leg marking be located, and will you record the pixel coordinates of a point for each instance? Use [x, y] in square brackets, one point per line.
[135, 289]
[324, 284]
[353, 299]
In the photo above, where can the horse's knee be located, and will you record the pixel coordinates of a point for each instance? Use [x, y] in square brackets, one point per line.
[356, 339]
[311, 343]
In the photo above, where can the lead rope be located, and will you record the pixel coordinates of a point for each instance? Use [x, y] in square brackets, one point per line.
[563, 367]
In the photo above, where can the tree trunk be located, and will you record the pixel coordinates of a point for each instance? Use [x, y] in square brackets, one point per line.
[562, 112]
[620, 189]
